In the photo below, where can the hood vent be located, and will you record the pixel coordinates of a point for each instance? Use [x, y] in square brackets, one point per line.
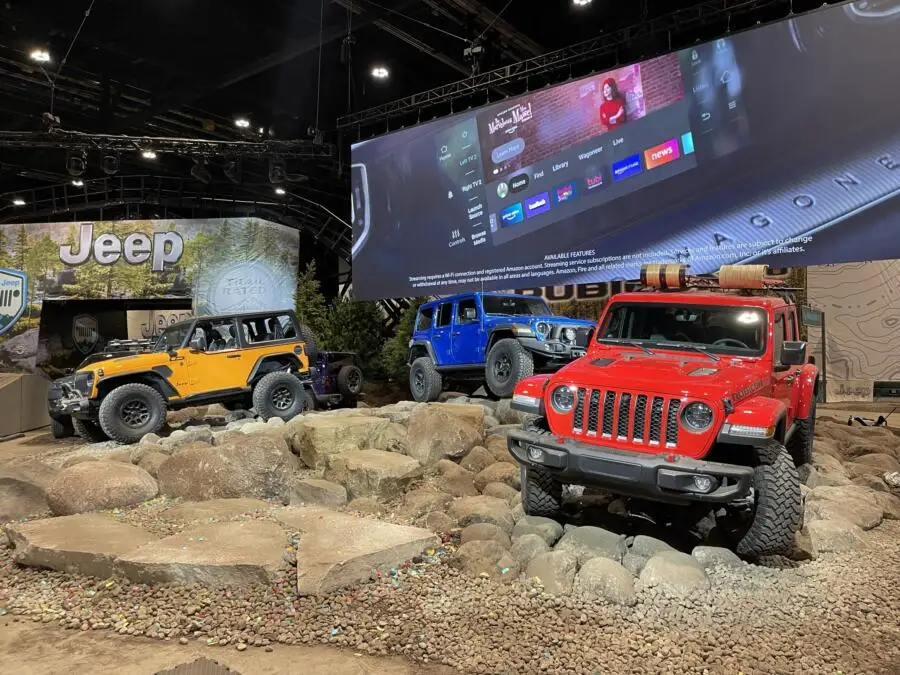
[701, 372]
[601, 362]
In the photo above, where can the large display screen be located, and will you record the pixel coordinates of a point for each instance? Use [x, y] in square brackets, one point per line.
[778, 145]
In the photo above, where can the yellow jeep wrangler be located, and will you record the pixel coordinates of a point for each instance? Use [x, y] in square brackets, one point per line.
[258, 359]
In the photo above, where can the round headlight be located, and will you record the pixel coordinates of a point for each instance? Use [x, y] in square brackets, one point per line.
[542, 329]
[568, 335]
[697, 417]
[563, 399]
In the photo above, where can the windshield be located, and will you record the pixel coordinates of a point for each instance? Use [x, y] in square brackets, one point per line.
[172, 337]
[499, 304]
[728, 330]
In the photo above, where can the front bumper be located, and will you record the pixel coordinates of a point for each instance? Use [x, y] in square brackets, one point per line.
[553, 349]
[64, 399]
[662, 477]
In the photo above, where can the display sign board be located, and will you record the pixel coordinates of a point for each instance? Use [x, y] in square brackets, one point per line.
[698, 157]
[215, 266]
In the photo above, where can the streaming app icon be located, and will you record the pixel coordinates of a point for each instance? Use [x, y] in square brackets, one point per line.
[502, 190]
[661, 154]
[687, 143]
[564, 193]
[537, 204]
[593, 180]
[518, 183]
[625, 168]
[512, 215]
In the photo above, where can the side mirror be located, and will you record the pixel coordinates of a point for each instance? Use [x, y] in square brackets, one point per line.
[793, 353]
[172, 352]
[471, 314]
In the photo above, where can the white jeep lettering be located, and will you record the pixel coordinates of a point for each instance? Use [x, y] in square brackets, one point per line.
[165, 248]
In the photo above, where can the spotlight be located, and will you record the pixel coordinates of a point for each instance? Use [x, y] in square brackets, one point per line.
[78, 182]
[110, 164]
[148, 154]
[200, 172]
[278, 191]
[18, 201]
[581, 3]
[262, 130]
[242, 123]
[232, 170]
[380, 73]
[40, 56]
[76, 164]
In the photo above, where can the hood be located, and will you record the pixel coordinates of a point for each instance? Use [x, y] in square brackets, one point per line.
[531, 319]
[113, 363]
[105, 356]
[554, 320]
[674, 374]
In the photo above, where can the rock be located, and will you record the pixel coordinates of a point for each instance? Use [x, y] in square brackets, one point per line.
[890, 504]
[592, 542]
[118, 456]
[237, 424]
[22, 488]
[315, 439]
[468, 510]
[676, 573]
[555, 570]
[870, 482]
[830, 469]
[546, 528]
[880, 461]
[518, 512]
[648, 547]
[373, 473]
[275, 422]
[716, 556]
[461, 484]
[398, 413]
[499, 472]
[339, 550]
[214, 510]
[447, 467]
[477, 459]
[182, 437]
[486, 532]
[605, 579]
[505, 414]
[849, 502]
[255, 427]
[435, 433]
[79, 544]
[836, 535]
[527, 547]
[440, 522]
[261, 467]
[473, 415]
[150, 439]
[485, 557]
[425, 500]
[95, 486]
[367, 506]
[151, 462]
[318, 491]
[79, 459]
[211, 554]
[228, 437]
[392, 439]
[30, 470]
[499, 450]
[490, 422]
[502, 491]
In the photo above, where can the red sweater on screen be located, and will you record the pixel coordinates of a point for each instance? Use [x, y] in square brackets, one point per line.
[611, 109]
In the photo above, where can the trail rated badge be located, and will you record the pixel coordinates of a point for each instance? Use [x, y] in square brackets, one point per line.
[13, 291]
[85, 332]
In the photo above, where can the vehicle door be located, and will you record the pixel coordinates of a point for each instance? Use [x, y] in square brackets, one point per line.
[466, 337]
[440, 334]
[215, 360]
[782, 376]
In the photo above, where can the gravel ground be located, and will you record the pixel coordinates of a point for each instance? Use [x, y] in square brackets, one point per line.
[835, 615]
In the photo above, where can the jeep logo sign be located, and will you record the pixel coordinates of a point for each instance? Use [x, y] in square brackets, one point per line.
[85, 333]
[164, 248]
[13, 291]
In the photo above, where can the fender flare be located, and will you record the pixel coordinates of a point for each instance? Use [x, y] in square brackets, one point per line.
[759, 411]
[808, 383]
[262, 360]
[159, 376]
[428, 348]
[502, 328]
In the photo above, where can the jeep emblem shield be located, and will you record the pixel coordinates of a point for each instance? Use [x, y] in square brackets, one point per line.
[85, 333]
[13, 291]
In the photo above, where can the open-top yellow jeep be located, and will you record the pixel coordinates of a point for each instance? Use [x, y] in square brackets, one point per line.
[258, 359]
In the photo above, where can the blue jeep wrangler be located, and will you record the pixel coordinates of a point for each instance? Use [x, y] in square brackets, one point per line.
[489, 338]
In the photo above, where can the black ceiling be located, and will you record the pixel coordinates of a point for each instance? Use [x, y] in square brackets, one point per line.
[190, 67]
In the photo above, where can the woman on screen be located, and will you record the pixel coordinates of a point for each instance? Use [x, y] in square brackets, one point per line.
[612, 109]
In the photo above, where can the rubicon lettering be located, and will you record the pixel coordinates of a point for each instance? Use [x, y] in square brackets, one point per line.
[164, 248]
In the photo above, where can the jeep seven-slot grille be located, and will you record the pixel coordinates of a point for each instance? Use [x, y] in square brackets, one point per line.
[626, 416]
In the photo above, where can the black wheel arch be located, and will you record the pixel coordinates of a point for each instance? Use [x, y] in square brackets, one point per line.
[497, 334]
[418, 349]
[270, 364]
[154, 379]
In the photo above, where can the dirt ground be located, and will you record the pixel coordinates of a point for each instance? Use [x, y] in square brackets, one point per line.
[34, 649]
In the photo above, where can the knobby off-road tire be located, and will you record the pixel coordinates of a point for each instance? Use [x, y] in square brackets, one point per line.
[779, 504]
[88, 431]
[350, 381]
[800, 446]
[281, 395]
[507, 364]
[61, 427]
[309, 339]
[541, 492]
[425, 383]
[131, 411]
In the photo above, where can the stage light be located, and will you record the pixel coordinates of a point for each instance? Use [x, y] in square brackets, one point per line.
[18, 201]
[380, 73]
[76, 164]
[262, 130]
[40, 56]
[277, 171]
[242, 123]
[232, 170]
[278, 191]
[200, 172]
[148, 154]
[78, 182]
[581, 3]
[110, 165]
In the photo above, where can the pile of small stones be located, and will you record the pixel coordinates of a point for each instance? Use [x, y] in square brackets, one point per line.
[834, 614]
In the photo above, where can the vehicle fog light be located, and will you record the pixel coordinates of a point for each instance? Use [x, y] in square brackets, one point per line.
[535, 454]
[703, 483]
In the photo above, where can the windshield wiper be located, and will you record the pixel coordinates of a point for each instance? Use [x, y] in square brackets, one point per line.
[691, 346]
[631, 343]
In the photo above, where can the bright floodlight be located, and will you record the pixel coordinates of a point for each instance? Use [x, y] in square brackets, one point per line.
[78, 183]
[148, 154]
[279, 191]
[40, 55]
[242, 122]
[581, 3]
[380, 73]
[18, 201]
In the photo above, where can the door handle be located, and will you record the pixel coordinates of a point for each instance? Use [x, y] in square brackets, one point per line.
[233, 356]
[789, 379]
[455, 333]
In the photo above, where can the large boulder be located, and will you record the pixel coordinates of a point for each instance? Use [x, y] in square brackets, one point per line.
[373, 473]
[484, 532]
[675, 573]
[473, 415]
[498, 447]
[468, 510]
[527, 547]
[642, 549]
[260, 467]
[546, 528]
[836, 535]
[22, 488]
[96, 486]
[850, 502]
[425, 500]
[316, 439]
[589, 542]
[605, 579]
[477, 459]
[880, 461]
[890, 504]
[499, 472]
[830, 469]
[485, 557]
[318, 491]
[151, 461]
[436, 433]
[182, 437]
[555, 570]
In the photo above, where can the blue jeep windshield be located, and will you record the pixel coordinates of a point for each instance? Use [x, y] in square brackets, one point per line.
[514, 305]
